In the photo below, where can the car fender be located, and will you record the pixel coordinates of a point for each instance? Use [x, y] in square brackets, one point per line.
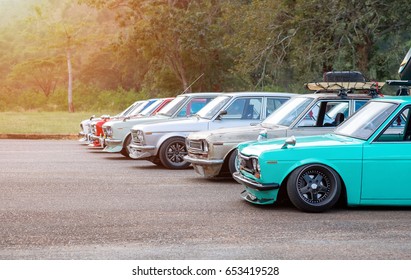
[168, 135]
[350, 174]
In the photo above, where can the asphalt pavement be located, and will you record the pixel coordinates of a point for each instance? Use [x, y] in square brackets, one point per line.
[62, 200]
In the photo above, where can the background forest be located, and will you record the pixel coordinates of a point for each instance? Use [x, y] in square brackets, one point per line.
[85, 55]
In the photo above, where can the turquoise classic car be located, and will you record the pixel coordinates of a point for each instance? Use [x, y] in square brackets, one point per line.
[364, 162]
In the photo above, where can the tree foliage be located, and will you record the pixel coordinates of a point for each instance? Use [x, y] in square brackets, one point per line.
[165, 47]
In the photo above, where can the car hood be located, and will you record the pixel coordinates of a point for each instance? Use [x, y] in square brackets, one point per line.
[129, 123]
[328, 144]
[174, 125]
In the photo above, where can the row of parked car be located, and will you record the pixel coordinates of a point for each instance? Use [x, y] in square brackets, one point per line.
[342, 142]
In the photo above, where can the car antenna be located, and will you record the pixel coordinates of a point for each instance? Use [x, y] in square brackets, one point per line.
[192, 83]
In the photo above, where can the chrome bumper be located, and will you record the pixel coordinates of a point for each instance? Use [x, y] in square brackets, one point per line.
[205, 167]
[141, 152]
[200, 161]
[253, 184]
[113, 145]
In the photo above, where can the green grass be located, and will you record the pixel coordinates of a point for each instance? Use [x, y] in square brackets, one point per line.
[42, 122]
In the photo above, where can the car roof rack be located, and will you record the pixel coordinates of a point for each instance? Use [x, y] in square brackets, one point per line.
[343, 88]
[345, 82]
[403, 86]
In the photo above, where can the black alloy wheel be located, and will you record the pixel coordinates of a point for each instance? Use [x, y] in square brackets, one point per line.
[172, 153]
[314, 188]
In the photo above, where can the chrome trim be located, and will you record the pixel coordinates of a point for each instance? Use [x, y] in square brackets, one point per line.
[253, 184]
[203, 161]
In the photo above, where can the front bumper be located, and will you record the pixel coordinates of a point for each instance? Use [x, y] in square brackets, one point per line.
[255, 192]
[206, 167]
[141, 152]
[84, 137]
[113, 145]
[97, 141]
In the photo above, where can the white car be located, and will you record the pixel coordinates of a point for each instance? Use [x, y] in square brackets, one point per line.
[164, 143]
[118, 134]
[86, 125]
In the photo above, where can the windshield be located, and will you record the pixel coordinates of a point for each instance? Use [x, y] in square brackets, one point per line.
[147, 111]
[172, 107]
[213, 107]
[288, 112]
[129, 109]
[137, 109]
[366, 120]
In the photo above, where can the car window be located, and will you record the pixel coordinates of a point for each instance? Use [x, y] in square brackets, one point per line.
[326, 113]
[214, 107]
[149, 109]
[244, 109]
[170, 109]
[193, 106]
[358, 104]
[273, 104]
[396, 130]
[288, 113]
[366, 120]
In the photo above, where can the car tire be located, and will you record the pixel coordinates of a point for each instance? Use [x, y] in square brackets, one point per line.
[314, 188]
[125, 151]
[232, 166]
[171, 153]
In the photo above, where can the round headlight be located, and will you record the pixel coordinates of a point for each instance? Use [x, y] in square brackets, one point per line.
[109, 131]
[140, 136]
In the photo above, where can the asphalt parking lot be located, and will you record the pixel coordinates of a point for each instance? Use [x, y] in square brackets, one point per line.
[62, 200]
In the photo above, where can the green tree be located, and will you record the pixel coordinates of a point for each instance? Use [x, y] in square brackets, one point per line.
[177, 40]
[64, 28]
[42, 74]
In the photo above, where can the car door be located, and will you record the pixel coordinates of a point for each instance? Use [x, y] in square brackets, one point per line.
[242, 111]
[387, 161]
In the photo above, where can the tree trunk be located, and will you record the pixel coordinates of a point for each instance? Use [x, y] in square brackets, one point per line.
[70, 80]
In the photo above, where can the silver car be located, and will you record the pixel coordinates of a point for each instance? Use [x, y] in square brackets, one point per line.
[213, 153]
[164, 143]
[118, 135]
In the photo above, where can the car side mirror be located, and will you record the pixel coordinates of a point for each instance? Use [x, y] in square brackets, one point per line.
[222, 113]
[289, 141]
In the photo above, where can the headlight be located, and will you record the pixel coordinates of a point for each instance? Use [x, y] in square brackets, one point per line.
[205, 146]
[254, 161]
[109, 131]
[140, 136]
[256, 167]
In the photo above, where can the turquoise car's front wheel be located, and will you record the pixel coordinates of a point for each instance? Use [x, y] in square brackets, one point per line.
[314, 188]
